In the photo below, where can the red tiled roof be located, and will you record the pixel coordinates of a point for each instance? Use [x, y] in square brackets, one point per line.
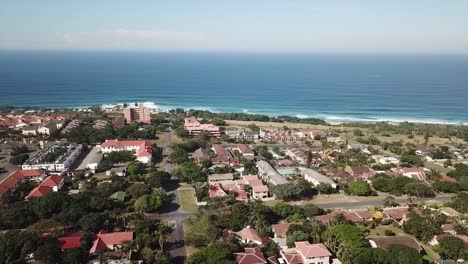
[249, 234]
[105, 240]
[244, 149]
[325, 219]
[281, 229]
[70, 241]
[397, 213]
[52, 181]
[250, 256]
[312, 250]
[144, 146]
[15, 177]
[39, 191]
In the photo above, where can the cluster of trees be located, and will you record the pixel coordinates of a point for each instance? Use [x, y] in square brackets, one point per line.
[191, 172]
[459, 202]
[411, 129]
[89, 211]
[294, 213]
[253, 117]
[400, 185]
[359, 188]
[87, 134]
[423, 227]
[293, 191]
[19, 155]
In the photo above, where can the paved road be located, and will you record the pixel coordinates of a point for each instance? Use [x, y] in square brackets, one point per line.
[174, 214]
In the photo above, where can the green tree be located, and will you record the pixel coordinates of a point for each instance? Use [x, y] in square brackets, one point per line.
[138, 189]
[419, 189]
[135, 168]
[159, 179]
[453, 248]
[360, 188]
[390, 201]
[324, 188]
[401, 254]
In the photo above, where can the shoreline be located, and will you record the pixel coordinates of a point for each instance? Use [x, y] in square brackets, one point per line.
[330, 119]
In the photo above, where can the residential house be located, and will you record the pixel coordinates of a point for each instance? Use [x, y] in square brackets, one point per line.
[436, 239]
[10, 182]
[250, 135]
[30, 130]
[385, 242]
[233, 134]
[117, 171]
[337, 175]
[119, 122]
[385, 160]
[220, 178]
[245, 151]
[142, 148]
[250, 235]
[415, 173]
[70, 241]
[48, 128]
[223, 156]
[50, 184]
[280, 232]
[109, 241]
[306, 253]
[326, 219]
[250, 256]
[360, 173]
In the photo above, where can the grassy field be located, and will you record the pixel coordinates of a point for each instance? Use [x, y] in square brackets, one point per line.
[437, 167]
[345, 132]
[431, 255]
[187, 200]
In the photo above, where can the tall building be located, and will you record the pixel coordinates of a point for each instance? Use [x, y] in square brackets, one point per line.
[139, 114]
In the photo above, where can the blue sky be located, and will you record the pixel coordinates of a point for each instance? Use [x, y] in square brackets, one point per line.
[348, 26]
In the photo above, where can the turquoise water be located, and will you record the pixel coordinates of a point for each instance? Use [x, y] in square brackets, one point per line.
[334, 87]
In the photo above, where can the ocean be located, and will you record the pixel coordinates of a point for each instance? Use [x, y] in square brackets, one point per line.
[339, 87]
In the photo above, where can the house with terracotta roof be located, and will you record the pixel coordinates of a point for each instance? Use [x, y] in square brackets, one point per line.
[385, 242]
[326, 219]
[360, 173]
[50, 184]
[400, 214]
[224, 156]
[414, 172]
[280, 232]
[244, 150]
[142, 148]
[250, 256]
[435, 240]
[109, 241]
[306, 253]
[12, 181]
[364, 215]
[250, 235]
[71, 240]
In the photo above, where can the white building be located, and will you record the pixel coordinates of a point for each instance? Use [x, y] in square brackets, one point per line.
[62, 162]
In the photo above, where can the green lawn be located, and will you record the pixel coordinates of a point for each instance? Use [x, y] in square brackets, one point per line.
[187, 200]
[437, 167]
